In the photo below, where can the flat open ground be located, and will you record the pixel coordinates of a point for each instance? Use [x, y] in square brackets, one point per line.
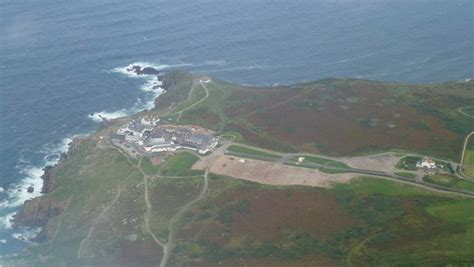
[269, 173]
[376, 162]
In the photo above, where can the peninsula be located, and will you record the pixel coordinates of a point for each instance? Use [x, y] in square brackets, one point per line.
[325, 173]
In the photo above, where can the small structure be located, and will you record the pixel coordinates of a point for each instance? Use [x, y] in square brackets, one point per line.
[426, 163]
[205, 80]
[301, 159]
[241, 160]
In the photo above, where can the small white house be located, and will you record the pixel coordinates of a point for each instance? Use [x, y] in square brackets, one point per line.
[205, 80]
[426, 163]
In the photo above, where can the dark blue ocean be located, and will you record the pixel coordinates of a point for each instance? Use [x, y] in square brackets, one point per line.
[59, 60]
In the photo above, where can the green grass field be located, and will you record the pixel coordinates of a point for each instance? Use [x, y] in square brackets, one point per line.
[272, 117]
[392, 222]
[449, 181]
[396, 223]
[240, 150]
[180, 165]
[406, 174]
[456, 211]
[323, 161]
[468, 164]
[197, 95]
[148, 167]
[408, 163]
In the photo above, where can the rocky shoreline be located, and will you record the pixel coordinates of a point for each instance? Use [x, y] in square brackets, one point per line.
[38, 212]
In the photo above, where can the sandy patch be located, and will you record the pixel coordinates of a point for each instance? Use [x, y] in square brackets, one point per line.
[269, 173]
[380, 162]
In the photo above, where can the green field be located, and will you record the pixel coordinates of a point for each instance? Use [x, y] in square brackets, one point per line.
[468, 110]
[408, 163]
[323, 161]
[148, 167]
[177, 165]
[456, 211]
[406, 174]
[197, 95]
[274, 118]
[241, 150]
[397, 223]
[449, 181]
[180, 165]
[365, 222]
[468, 167]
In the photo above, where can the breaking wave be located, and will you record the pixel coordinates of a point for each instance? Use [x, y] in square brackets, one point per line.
[16, 194]
[151, 86]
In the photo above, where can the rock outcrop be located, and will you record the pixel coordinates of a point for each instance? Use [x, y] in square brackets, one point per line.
[37, 212]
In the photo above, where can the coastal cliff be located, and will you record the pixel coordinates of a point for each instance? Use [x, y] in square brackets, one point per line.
[39, 211]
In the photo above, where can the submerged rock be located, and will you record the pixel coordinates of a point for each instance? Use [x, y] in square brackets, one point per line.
[143, 71]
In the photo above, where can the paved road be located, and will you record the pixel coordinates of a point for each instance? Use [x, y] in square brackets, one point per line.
[460, 110]
[286, 159]
[463, 153]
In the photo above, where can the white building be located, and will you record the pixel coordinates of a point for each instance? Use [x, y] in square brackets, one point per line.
[426, 163]
[205, 80]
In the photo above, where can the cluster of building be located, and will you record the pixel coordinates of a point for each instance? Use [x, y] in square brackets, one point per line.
[147, 135]
[426, 163]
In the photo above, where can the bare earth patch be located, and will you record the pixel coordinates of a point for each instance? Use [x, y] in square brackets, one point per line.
[385, 162]
[269, 173]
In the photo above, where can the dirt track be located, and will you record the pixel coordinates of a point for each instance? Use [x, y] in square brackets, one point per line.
[269, 173]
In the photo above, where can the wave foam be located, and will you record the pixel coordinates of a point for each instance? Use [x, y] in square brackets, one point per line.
[151, 84]
[18, 193]
[125, 70]
[27, 234]
[7, 221]
[100, 116]
[152, 87]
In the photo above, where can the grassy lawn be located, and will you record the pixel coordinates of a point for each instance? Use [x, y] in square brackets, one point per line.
[465, 185]
[324, 161]
[459, 211]
[406, 174]
[468, 110]
[408, 163]
[148, 167]
[180, 165]
[198, 94]
[449, 181]
[367, 185]
[240, 150]
[469, 162]
[441, 179]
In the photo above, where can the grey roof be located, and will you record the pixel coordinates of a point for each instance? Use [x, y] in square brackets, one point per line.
[157, 133]
[136, 126]
[157, 142]
[199, 138]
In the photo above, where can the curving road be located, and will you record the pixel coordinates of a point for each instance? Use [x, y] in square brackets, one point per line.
[463, 153]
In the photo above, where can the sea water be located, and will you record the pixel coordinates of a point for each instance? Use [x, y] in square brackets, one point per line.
[61, 61]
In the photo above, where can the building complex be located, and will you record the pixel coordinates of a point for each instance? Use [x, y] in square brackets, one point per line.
[148, 135]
